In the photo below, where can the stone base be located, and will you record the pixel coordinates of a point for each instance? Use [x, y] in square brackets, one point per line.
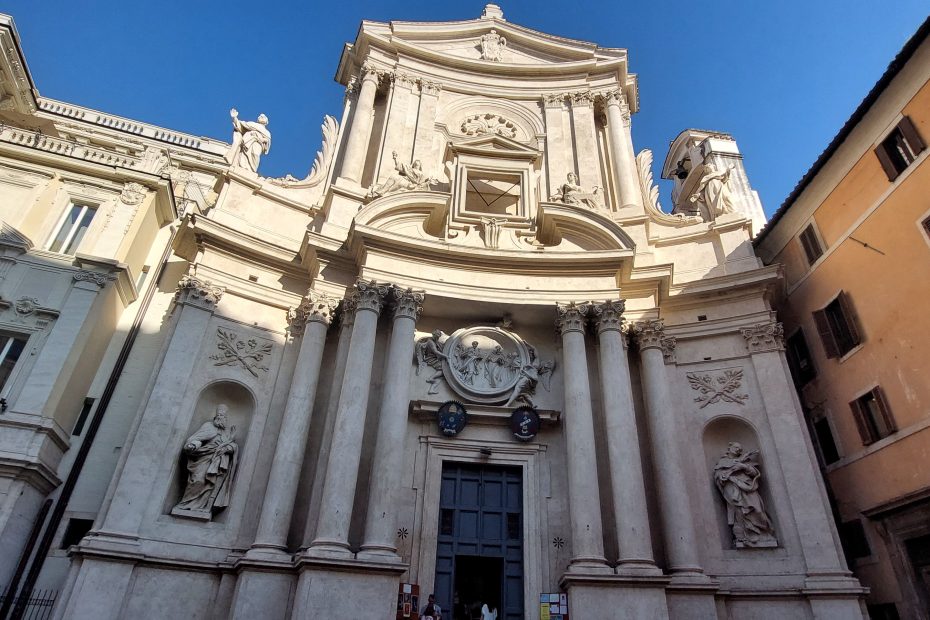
[614, 596]
[200, 515]
[346, 589]
[691, 604]
[263, 594]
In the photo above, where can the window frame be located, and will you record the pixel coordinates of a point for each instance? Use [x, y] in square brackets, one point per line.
[815, 239]
[892, 162]
[833, 347]
[75, 227]
[866, 424]
[4, 350]
[800, 379]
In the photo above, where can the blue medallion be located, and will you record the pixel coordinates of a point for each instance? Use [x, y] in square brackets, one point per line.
[452, 417]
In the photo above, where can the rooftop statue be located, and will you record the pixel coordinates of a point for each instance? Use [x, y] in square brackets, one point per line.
[714, 190]
[571, 193]
[251, 140]
[408, 177]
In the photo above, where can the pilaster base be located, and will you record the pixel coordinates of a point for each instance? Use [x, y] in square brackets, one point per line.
[692, 600]
[346, 589]
[613, 596]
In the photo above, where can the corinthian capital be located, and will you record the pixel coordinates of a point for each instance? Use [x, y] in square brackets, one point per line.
[608, 316]
[572, 316]
[408, 303]
[764, 337]
[316, 307]
[369, 295]
[650, 334]
[198, 292]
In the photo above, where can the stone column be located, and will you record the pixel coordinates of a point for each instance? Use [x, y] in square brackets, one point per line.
[332, 534]
[583, 496]
[621, 147]
[558, 149]
[312, 317]
[674, 505]
[627, 483]
[353, 160]
[387, 466]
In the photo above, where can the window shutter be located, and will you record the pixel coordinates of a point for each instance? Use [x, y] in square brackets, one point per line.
[852, 321]
[910, 134]
[879, 395]
[861, 424]
[826, 335]
[885, 160]
[811, 244]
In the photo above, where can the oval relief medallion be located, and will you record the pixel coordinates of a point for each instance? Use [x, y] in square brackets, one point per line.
[484, 363]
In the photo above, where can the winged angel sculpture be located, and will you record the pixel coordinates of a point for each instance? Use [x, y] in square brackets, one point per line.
[531, 375]
[429, 355]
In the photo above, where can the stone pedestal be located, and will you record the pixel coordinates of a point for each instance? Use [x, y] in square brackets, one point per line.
[346, 590]
[612, 596]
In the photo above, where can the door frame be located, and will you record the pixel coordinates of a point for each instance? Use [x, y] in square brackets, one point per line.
[436, 451]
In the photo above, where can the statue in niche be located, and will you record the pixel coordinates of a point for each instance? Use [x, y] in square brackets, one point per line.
[251, 140]
[429, 354]
[409, 177]
[492, 46]
[737, 476]
[571, 193]
[531, 374]
[211, 464]
[713, 190]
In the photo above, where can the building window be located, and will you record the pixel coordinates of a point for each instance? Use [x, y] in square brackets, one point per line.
[900, 148]
[11, 347]
[855, 544]
[82, 417]
[825, 441]
[71, 228]
[883, 611]
[493, 193]
[75, 531]
[837, 326]
[873, 416]
[799, 359]
[926, 225]
[811, 244]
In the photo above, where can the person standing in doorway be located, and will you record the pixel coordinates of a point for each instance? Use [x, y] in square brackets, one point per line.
[432, 611]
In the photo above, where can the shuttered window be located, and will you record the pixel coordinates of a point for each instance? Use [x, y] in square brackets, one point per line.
[799, 359]
[811, 244]
[837, 325]
[873, 416]
[900, 148]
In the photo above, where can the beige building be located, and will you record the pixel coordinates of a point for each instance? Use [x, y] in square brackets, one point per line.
[854, 239]
[232, 396]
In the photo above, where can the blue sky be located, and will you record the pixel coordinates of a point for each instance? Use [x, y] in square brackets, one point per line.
[782, 77]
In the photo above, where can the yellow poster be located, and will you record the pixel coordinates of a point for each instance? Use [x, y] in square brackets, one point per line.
[544, 611]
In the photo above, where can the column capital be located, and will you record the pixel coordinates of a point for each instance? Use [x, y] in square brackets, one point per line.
[608, 316]
[553, 100]
[94, 277]
[316, 307]
[572, 316]
[369, 72]
[369, 295]
[616, 99]
[352, 89]
[764, 337]
[197, 292]
[582, 97]
[430, 88]
[408, 303]
[347, 312]
[650, 334]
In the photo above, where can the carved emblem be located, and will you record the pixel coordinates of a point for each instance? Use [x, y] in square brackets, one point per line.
[24, 306]
[483, 364]
[720, 388]
[133, 193]
[492, 46]
[248, 353]
[524, 423]
[479, 124]
[451, 417]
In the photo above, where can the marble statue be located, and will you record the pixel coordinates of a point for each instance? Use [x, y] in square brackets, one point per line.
[468, 361]
[737, 477]
[531, 374]
[251, 140]
[408, 177]
[429, 354]
[713, 190]
[211, 464]
[492, 46]
[571, 193]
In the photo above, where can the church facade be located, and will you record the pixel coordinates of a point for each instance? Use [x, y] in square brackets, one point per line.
[468, 354]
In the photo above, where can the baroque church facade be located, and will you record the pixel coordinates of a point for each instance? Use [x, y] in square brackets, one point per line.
[468, 354]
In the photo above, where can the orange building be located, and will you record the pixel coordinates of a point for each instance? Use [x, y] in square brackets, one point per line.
[854, 240]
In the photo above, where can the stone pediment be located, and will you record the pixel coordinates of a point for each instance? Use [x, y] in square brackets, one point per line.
[495, 145]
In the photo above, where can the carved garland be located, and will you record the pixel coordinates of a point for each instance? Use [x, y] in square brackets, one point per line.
[247, 353]
[722, 387]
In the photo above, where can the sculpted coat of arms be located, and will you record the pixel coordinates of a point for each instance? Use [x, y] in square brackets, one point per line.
[483, 364]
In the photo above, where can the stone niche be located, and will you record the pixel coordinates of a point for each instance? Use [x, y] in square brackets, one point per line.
[240, 405]
[718, 434]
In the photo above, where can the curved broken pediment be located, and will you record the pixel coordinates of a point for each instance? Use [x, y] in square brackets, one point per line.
[572, 228]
